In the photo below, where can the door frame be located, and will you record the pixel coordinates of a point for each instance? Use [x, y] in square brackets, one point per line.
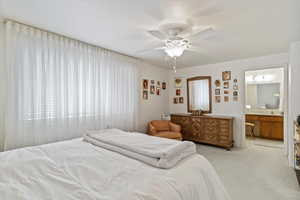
[286, 138]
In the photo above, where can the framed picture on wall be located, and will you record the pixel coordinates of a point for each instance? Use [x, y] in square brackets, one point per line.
[164, 85]
[145, 84]
[218, 99]
[157, 91]
[218, 83]
[152, 89]
[226, 76]
[226, 91]
[152, 82]
[145, 95]
[226, 85]
[235, 87]
[175, 100]
[226, 98]
[235, 93]
[217, 92]
[181, 100]
[178, 92]
[178, 82]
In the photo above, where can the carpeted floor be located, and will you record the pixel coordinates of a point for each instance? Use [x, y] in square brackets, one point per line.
[254, 173]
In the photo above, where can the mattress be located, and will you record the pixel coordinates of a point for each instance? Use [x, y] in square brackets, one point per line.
[78, 170]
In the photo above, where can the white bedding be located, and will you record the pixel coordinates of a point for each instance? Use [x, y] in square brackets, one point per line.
[81, 171]
[158, 152]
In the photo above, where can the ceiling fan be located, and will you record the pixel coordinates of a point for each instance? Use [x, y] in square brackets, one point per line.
[176, 37]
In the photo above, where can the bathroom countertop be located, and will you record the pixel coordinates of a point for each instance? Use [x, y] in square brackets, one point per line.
[264, 114]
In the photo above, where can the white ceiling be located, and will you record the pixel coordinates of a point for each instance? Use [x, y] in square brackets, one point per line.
[245, 28]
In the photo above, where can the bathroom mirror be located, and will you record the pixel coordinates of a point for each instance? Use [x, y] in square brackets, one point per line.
[264, 91]
[199, 94]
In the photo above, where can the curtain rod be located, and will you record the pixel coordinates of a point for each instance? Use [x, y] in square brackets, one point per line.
[67, 37]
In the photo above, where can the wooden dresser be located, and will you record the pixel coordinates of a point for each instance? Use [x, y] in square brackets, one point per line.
[215, 130]
[267, 126]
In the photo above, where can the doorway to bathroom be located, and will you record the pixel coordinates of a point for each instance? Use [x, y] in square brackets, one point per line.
[264, 107]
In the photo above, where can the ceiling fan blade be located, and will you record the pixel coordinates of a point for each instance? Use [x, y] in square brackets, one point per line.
[195, 49]
[201, 33]
[145, 51]
[159, 35]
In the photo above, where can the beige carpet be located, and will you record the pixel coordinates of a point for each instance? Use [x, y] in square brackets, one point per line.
[254, 173]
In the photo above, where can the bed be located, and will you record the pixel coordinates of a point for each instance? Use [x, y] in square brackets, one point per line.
[78, 170]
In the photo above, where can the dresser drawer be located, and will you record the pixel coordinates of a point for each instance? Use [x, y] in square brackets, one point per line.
[206, 129]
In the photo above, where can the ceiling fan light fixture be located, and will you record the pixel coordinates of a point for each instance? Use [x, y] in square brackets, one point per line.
[175, 51]
[176, 47]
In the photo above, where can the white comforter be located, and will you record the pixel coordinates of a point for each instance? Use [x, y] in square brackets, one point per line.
[158, 152]
[81, 171]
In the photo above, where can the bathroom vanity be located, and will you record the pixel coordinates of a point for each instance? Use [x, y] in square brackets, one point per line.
[267, 126]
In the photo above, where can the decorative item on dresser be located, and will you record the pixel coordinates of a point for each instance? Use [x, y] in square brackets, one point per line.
[215, 130]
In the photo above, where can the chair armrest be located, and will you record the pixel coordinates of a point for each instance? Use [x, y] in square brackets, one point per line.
[175, 127]
[151, 129]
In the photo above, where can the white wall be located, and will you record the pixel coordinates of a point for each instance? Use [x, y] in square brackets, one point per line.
[237, 68]
[294, 93]
[152, 108]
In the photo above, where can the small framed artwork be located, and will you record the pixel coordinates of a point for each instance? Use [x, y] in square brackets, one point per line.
[235, 87]
[178, 92]
[157, 91]
[164, 85]
[226, 98]
[181, 100]
[158, 83]
[226, 91]
[152, 89]
[152, 82]
[235, 98]
[178, 82]
[145, 95]
[226, 85]
[217, 91]
[226, 76]
[235, 93]
[218, 83]
[218, 99]
[145, 84]
[175, 100]
[235, 80]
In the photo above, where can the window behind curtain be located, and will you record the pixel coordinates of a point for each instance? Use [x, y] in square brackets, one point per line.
[58, 87]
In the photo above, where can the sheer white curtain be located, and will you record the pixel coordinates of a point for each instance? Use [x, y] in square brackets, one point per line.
[199, 95]
[58, 87]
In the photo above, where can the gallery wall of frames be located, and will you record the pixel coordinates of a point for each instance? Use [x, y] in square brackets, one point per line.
[152, 87]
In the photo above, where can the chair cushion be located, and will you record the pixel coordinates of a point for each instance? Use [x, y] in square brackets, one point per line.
[161, 125]
[170, 135]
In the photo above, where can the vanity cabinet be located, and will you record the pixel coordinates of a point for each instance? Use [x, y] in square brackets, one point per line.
[269, 127]
[215, 130]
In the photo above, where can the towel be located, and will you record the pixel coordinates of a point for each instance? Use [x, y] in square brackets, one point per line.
[158, 152]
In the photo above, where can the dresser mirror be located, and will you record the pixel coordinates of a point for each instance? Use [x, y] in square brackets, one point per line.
[199, 94]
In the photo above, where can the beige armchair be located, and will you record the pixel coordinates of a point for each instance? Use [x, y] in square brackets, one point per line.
[164, 128]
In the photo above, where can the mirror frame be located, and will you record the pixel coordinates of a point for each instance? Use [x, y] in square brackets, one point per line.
[210, 92]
